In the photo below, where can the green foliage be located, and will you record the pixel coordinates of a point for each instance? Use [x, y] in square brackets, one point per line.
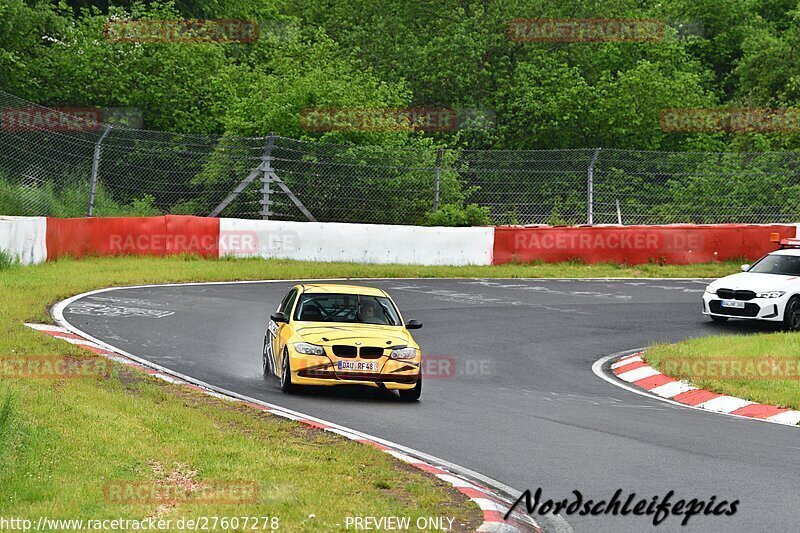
[6, 412]
[366, 54]
[359, 53]
[455, 215]
[69, 201]
[7, 260]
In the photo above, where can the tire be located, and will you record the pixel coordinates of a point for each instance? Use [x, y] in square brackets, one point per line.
[719, 318]
[286, 374]
[266, 362]
[412, 395]
[791, 316]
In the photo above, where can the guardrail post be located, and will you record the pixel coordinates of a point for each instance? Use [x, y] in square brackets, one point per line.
[266, 177]
[437, 179]
[98, 149]
[590, 188]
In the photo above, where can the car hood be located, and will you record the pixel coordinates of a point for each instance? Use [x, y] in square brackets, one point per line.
[366, 334]
[752, 281]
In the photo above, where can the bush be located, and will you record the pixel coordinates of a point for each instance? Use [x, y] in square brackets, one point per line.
[18, 199]
[455, 215]
[7, 260]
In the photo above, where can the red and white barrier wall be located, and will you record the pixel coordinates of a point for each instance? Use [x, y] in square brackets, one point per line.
[24, 238]
[36, 239]
[677, 244]
[357, 243]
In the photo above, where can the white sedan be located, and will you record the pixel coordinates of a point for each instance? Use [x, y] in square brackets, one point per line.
[767, 290]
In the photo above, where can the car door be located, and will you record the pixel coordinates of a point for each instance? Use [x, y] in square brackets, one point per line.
[281, 332]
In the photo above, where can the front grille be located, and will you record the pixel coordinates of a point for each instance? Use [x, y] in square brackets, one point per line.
[750, 310]
[371, 352]
[343, 350]
[730, 294]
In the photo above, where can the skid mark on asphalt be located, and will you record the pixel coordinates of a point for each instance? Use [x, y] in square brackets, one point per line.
[547, 290]
[604, 401]
[477, 298]
[125, 301]
[115, 311]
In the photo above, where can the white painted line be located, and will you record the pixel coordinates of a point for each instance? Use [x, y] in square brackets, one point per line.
[343, 433]
[790, 418]
[169, 379]
[626, 361]
[403, 457]
[724, 404]
[673, 388]
[489, 505]
[79, 342]
[220, 396]
[456, 481]
[47, 327]
[639, 373]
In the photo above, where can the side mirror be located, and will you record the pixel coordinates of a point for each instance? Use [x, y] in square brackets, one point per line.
[413, 324]
[278, 317]
[745, 268]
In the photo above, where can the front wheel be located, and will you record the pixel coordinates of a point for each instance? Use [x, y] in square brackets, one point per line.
[791, 317]
[412, 395]
[286, 374]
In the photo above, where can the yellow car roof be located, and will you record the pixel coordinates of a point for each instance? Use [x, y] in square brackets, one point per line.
[334, 288]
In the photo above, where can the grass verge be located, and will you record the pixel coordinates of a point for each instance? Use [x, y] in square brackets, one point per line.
[62, 442]
[97, 448]
[762, 367]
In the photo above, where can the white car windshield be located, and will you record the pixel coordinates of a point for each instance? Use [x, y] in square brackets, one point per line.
[788, 265]
[349, 308]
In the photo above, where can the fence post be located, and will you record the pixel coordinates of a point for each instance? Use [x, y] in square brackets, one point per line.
[98, 148]
[436, 180]
[590, 188]
[266, 175]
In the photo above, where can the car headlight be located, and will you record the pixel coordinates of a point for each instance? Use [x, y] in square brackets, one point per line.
[770, 294]
[308, 349]
[404, 353]
[711, 290]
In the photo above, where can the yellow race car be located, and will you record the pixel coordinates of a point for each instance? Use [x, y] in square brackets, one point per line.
[330, 334]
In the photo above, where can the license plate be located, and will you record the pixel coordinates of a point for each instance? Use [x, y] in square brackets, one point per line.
[358, 366]
[735, 304]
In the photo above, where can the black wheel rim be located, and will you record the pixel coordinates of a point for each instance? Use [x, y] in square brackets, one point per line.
[285, 371]
[794, 317]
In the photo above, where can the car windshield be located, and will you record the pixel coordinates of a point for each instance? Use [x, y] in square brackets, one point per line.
[348, 308]
[788, 265]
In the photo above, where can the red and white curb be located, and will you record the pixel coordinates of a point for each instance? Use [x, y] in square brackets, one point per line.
[493, 505]
[634, 369]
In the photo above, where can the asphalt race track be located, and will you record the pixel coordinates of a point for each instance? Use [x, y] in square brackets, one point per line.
[509, 393]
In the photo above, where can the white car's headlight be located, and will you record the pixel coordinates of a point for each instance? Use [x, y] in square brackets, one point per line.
[404, 353]
[711, 290]
[770, 294]
[308, 349]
